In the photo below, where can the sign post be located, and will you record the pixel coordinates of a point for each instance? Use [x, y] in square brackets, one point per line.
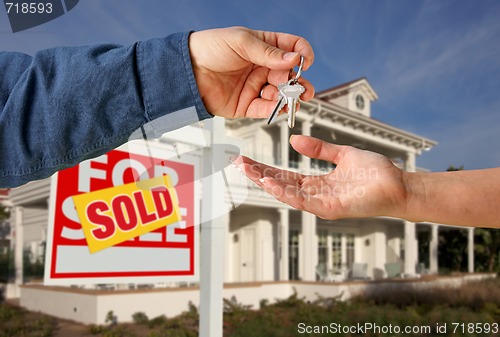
[212, 235]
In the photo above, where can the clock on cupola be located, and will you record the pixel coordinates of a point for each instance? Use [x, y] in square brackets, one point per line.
[360, 102]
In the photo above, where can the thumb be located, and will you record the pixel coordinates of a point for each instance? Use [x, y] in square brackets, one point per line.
[265, 55]
[316, 148]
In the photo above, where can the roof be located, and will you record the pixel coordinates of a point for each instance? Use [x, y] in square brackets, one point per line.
[321, 109]
[340, 86]
[327, 111]
[340, 89]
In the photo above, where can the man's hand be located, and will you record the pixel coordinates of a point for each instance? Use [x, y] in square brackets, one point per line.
[363, 183]
[233, 65]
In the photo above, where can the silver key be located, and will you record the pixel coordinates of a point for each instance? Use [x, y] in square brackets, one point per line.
[292, 109]
[279, 105]
[292, 91]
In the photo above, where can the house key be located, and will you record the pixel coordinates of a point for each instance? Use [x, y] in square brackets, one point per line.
[292, 92]
[289, 94]
[279, 105]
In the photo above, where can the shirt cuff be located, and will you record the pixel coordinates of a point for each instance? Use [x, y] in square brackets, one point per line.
[167, 79]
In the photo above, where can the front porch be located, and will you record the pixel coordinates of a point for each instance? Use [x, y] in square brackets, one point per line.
[269, 243]
[91, 306]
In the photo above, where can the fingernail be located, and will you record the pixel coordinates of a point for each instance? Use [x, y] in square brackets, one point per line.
[233, 158]
[291, 138]
[289, 56]
[261, 180]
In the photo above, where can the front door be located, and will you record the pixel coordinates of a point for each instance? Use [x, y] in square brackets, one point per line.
[247, 255]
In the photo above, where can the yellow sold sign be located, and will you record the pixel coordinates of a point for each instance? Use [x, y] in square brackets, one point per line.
[117, 214]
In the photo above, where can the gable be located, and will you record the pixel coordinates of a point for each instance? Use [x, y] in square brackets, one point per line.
[355, 95]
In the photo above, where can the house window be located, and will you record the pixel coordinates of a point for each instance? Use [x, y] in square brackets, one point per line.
[336, 251]
[360, 102]
[349, 249]
[293, 255]
[323, 249]
[341, 247]
[402, 249]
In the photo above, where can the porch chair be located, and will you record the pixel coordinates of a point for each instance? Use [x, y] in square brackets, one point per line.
[394, 269]
[323, 274]
[360, 271]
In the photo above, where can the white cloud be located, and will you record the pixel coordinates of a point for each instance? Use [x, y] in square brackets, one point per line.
[430, 60]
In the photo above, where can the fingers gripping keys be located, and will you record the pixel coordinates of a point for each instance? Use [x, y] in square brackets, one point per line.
[289, 95]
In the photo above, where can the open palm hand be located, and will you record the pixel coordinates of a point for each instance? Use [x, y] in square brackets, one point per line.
[363, 183]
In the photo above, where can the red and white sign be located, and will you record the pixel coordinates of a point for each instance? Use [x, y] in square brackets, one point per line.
[165, 254]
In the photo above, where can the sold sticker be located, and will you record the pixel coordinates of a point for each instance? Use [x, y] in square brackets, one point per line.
[117, 214]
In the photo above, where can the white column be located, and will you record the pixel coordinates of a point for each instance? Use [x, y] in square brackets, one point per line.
[433, 249]
[410, 259]
[471, 249]
[284, 229]
[309, 259]
[379, 242]
[19, 248]
[410, 234]
[397, 247]
[228, 256]
[306, 131]
[284, 144]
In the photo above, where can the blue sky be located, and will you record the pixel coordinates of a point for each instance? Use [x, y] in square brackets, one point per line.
[434, 64]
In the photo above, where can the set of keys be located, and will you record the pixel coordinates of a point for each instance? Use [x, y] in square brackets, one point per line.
[289, 94]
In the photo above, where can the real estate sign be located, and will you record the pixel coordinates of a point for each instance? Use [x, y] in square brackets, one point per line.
[124, 217]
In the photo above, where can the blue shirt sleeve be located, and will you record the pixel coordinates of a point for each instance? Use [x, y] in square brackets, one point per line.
[68, 104]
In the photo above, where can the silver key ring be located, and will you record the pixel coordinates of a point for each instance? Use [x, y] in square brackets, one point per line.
[299, 72]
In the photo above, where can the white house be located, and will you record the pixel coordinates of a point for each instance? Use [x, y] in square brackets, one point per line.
[291, 244]
[267, 240]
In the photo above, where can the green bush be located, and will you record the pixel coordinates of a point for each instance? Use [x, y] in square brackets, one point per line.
[140, 318]
[15, 322]
[157, 321]
[473, 295]
[96, 329]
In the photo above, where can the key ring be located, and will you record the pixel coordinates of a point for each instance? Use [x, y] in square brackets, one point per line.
[299, 72]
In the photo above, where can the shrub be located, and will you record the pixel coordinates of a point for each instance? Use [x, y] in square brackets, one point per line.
[473, 295]
[140, 318]
[157, 321]
[111, 319]
[19, 322]
[96, 329]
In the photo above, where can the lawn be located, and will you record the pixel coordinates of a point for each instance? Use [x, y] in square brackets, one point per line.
[471, 310]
